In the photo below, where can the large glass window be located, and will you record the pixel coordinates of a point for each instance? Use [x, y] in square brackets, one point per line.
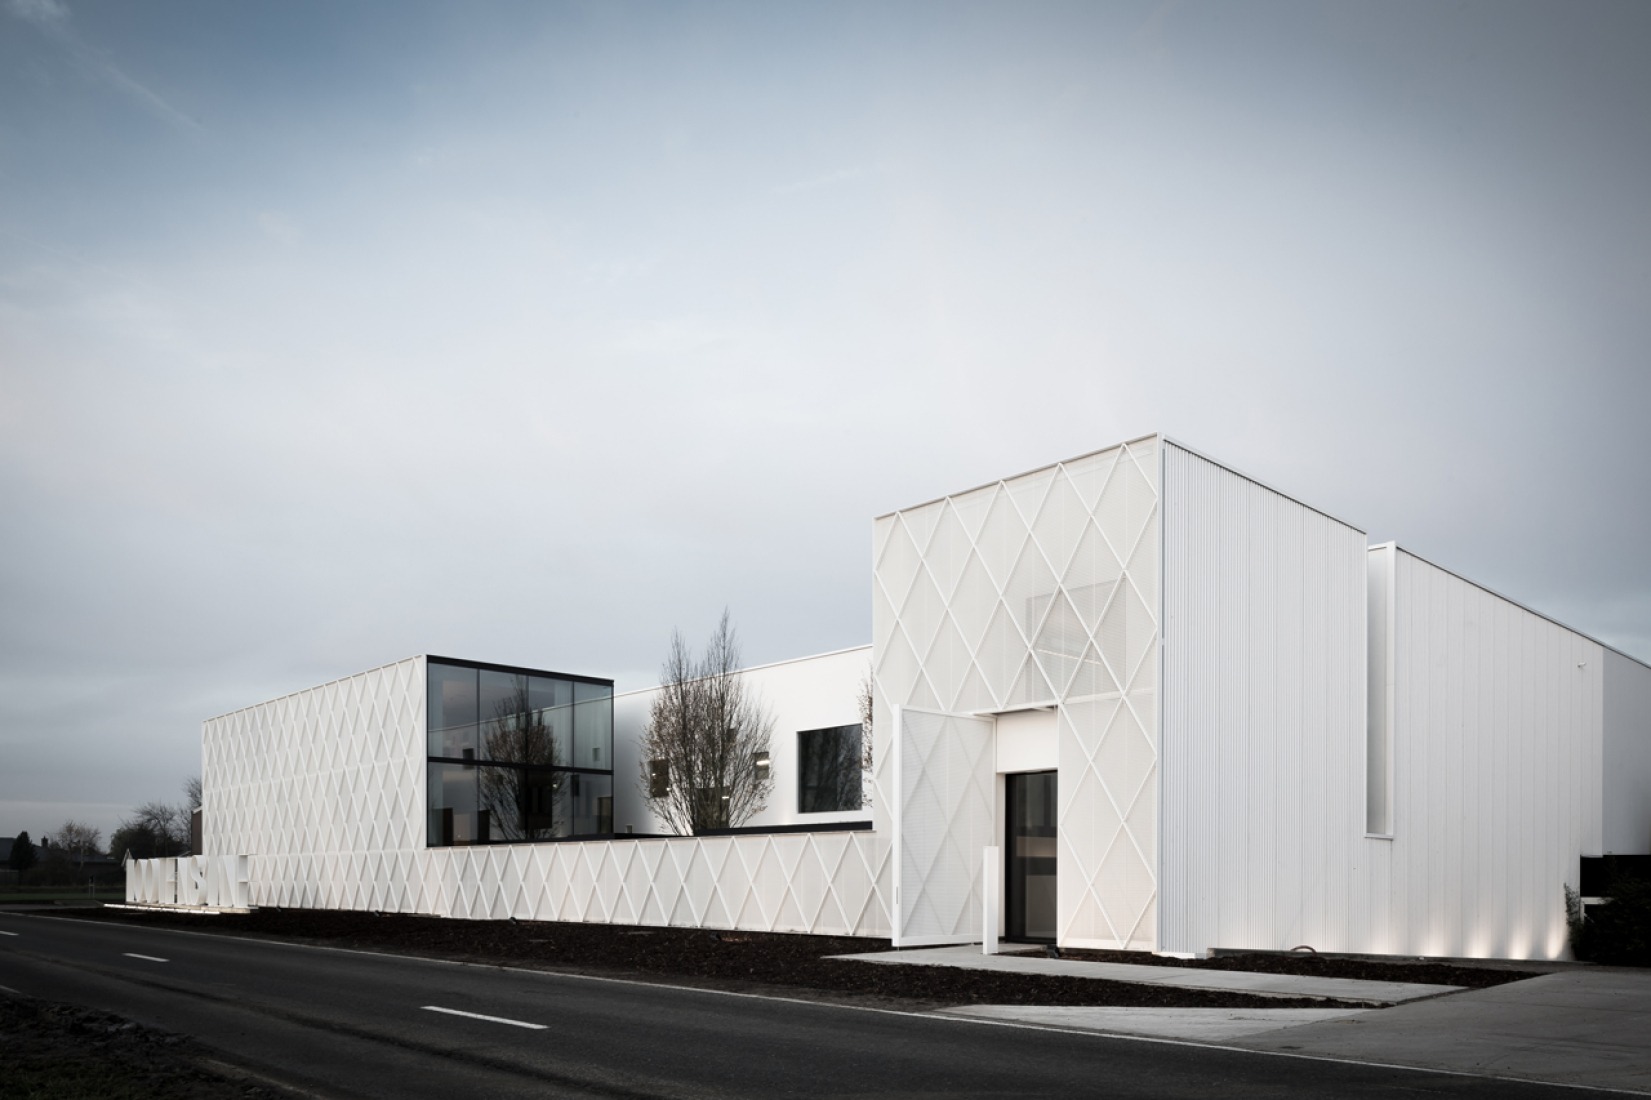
[593, 726]
[452, 711]
[452, 804]
[828, 770]
[517, 755]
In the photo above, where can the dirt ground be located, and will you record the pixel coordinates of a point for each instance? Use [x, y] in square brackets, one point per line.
[59, 1052]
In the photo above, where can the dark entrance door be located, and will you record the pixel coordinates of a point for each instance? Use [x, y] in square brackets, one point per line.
[1029, 878]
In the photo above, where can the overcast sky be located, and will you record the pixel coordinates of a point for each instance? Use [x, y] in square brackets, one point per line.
[332, 334]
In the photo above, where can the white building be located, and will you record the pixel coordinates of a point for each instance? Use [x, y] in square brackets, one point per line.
[1189, 711]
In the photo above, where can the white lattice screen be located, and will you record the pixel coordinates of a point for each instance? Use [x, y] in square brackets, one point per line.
[823, 883]
[1044, 590]
[945, 815]
[323, 791]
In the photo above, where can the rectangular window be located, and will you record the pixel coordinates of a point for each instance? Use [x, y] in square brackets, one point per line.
[659, 779]
[759, 762]
[451, 713]
[516, 755]
[451, 798]
[828, 770]
[1379, 711]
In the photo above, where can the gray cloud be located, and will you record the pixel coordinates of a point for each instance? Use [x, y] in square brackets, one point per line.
[310, 397]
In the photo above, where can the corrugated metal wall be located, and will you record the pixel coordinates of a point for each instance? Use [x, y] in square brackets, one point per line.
[1487, 720]
[1263, 714]
[1496, 732]
[1627, 759]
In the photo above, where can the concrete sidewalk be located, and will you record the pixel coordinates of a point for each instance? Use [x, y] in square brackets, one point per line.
[1584, 1025]
[1224, 981]
[1588, 1026]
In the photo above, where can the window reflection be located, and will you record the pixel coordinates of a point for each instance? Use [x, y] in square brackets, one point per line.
[828, 770]
[451, 712]
[517, 755]
[452, 804]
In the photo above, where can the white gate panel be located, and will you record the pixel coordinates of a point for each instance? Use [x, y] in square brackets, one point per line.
[944, 814]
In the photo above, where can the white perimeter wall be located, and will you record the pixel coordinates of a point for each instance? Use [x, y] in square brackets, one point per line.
[1496, 724]
[324, 792]
[1627, 757]
[1264, 714]
[805, 694]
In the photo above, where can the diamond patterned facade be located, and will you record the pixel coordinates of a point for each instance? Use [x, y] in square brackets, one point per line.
[317, 800]
[323, 790]
[1034, 625]
[946, 815]
[1043, 591]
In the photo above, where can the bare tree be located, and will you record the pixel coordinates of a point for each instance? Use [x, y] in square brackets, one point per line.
[153, 829]
[705, 751]
[522, 800]
[192, 793]
[77, 841]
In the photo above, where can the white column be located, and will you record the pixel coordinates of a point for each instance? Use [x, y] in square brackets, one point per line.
[991, 897]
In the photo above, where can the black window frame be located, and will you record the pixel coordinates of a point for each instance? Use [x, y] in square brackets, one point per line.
[824, 795]
[528, 775]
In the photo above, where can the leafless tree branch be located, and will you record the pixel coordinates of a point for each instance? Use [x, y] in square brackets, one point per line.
[706, 729]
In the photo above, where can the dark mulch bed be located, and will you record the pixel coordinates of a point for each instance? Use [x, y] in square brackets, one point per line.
[51, 1051]
[1328, 966]
[785, 963]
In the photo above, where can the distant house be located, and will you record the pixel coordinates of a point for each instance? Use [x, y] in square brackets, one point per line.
[1135, 699]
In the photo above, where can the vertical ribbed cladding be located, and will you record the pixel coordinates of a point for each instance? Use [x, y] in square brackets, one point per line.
[1263, 713]
[1625, 714]
[1497, 757]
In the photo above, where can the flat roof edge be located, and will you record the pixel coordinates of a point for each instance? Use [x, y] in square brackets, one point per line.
[771, 664]
[493, 665]
[313, 687]
[1024, 473]
[1236, 472]
[1488, 590]
[1163, 440]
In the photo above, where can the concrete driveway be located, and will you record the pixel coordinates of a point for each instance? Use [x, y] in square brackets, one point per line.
[1588, 1026]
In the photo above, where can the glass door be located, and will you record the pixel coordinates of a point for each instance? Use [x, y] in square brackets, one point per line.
[1029, 878]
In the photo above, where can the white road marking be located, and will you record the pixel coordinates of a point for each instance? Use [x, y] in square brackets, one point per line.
[145, 958]
[3, 932]
[1288, 1055]
[489, 1019]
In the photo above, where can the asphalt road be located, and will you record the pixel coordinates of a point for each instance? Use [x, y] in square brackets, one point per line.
[346, 1024]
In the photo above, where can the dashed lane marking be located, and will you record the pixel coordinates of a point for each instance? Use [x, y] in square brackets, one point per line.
[145, 958]
[489, 1019]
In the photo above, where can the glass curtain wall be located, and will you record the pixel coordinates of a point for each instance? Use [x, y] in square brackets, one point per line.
[516, 755]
